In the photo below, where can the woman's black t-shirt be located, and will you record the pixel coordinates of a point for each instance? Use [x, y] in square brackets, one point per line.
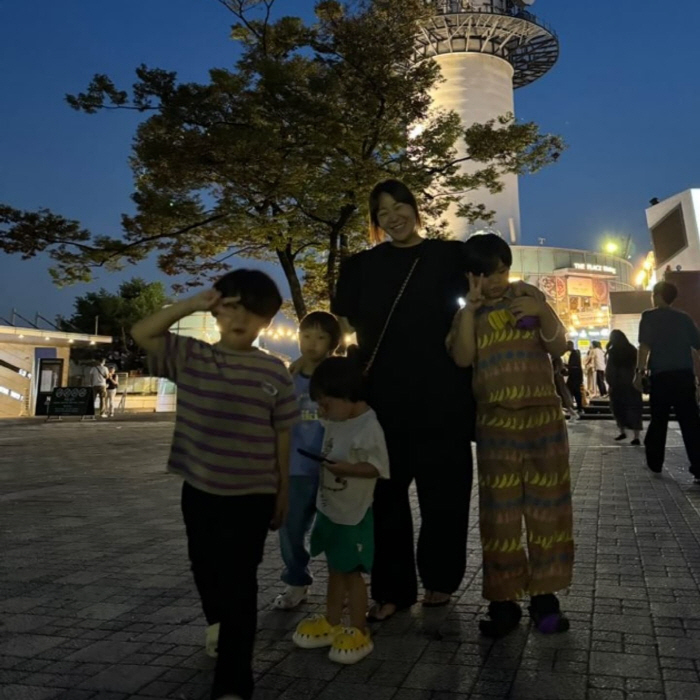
[413, 380]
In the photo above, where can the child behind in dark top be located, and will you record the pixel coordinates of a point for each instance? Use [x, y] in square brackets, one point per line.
[235, 409]
[319, 337]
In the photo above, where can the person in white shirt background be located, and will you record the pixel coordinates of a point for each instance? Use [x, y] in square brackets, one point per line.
[598, 355]
[98, 381]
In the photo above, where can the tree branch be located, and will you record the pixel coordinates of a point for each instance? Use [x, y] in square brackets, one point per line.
[169, 234]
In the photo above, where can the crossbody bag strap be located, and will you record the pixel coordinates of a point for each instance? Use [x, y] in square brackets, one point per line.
[373, 357]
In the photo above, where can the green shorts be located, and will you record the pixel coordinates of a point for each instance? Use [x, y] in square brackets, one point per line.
[348, 548]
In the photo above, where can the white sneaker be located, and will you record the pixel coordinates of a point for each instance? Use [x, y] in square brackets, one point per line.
[292, 597]
[212, 642]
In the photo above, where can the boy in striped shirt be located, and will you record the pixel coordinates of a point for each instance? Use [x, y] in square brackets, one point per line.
[235, 408]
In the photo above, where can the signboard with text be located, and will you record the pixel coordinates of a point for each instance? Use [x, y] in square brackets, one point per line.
[579, 286]
[72, 401]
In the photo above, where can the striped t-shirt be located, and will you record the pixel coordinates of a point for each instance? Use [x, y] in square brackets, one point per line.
[230, 406]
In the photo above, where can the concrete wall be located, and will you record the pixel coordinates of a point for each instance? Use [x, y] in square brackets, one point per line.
[479, 87]
[21, 355]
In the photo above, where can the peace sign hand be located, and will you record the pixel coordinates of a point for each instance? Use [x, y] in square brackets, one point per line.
[475, 297]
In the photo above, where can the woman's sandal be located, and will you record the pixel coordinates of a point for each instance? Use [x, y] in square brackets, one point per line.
[372, 615]
[438, 603]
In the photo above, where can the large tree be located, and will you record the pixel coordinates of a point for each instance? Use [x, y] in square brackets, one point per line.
[112, 314]
[274, 159]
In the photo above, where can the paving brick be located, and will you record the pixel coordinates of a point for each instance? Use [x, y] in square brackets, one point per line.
[29, 645]
[75, 694]
[99, 594]
[452, 678]
[681, 691]
[548, 686]
[26, 692]
[597, 694]
[105, 651]
[353, 691]
[623, 623]
[679, 647]
[123, 679]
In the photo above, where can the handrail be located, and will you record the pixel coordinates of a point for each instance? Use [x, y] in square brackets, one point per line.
[451, 7]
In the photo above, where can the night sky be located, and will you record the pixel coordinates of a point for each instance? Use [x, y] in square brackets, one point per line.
[624, 95]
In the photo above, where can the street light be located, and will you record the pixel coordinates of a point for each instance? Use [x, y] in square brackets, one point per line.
[611, 247]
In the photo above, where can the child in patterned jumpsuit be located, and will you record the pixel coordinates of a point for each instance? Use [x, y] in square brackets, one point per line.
[522, 444]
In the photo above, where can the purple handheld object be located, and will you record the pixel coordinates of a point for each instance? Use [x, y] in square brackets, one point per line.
[528, 323]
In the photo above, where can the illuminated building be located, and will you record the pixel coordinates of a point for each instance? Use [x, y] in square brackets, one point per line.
[577, 284]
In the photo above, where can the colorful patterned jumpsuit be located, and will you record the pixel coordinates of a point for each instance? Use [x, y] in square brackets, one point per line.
[523, 461]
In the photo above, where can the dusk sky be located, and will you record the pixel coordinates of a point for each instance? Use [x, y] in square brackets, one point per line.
[624, 95]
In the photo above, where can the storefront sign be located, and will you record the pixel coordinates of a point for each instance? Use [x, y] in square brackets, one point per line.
[72, 401]
[579, 286]
[595, 268]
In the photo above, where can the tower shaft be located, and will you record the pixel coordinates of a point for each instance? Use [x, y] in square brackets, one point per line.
[479, 87]
[486, 49]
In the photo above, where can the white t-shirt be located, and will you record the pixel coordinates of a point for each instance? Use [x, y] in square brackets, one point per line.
[98, 375]
[598, 359]
[346, 500]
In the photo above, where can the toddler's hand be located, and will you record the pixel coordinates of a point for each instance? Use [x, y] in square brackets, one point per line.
[338, 468]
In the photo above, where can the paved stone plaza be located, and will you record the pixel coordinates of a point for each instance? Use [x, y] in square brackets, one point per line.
[97, 602]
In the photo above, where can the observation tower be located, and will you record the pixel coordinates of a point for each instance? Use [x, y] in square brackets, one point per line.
[486, 49]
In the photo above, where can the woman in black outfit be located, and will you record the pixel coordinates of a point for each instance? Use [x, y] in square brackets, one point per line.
[423, 400]
[574, 380]
[625, 400]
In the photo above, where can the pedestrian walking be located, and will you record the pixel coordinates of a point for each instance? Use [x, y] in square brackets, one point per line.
[567, 401]
[591, 382]
[574, 380]
[599, 367]
[235, 409]
[625, 399]
[667, 339]
[521, 442]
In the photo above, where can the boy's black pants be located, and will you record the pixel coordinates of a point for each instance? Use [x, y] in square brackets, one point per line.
[225, 540]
